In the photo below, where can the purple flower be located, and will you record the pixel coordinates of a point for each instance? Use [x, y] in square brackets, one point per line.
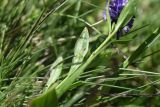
[115, 8]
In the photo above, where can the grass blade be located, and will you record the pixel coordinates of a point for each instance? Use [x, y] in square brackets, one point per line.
[146, 44]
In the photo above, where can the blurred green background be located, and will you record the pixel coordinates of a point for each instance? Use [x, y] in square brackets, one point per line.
[57, 35]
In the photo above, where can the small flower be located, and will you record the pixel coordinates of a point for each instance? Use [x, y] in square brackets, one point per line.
[115, 8]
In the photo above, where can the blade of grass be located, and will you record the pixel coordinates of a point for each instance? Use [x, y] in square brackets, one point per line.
[146, 44]
[140, 71]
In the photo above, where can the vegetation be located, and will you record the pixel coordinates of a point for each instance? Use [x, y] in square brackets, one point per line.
[61, 53]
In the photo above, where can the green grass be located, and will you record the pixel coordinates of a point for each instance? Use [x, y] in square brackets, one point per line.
[61, 53]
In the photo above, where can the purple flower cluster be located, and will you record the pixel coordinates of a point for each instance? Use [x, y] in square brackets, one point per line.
[115, 8]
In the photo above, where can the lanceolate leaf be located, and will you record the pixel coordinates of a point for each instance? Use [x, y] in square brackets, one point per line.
[55, 69]
[80, 51]
[146, 44]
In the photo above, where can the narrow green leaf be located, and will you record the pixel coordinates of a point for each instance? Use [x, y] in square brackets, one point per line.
[125, 41]
[140, 71]
[55, 69]
[146, 44]
[80, 51]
